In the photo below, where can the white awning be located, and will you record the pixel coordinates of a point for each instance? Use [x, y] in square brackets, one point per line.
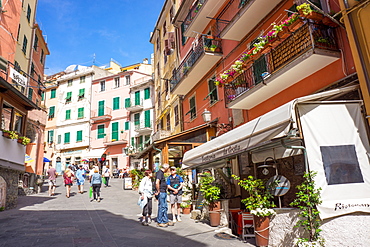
[274, 124]
[95, 153]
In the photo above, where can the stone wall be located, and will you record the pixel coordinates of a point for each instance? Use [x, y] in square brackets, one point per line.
[346, 230]
[11, 178]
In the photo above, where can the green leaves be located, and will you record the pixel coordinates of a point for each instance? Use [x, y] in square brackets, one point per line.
[211, 192]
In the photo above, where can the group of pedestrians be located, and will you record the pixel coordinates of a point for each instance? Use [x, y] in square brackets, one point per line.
[174, 184]
[95, 179]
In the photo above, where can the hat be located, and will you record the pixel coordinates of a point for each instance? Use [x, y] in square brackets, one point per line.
[173, 168]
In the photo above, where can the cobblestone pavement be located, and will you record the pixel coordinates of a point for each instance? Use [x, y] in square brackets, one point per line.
[40, 220]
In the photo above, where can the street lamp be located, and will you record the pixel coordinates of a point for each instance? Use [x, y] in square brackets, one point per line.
[206, 116]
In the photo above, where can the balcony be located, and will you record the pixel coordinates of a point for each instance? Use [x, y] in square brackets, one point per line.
[143, 127]
[140, 82]
[160, 134]
[19, 85]
[201, 58]
[134, 105]
[101, 115]
[195, 18]
[115, 139]
[232, 24]
[297, 57]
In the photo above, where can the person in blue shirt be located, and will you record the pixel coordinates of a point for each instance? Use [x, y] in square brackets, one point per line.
[80, 176]
[95, 181]
[174, 185]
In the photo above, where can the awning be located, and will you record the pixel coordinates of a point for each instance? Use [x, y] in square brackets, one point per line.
[46, 160]
[274, 124]
[95, 153]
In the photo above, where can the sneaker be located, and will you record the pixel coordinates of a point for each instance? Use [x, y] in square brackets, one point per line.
[170, 223]
[98, 199]
[144, 223]
[179, 218]
[174, 219]
[149, 220]
[162, 225]
[92, 200]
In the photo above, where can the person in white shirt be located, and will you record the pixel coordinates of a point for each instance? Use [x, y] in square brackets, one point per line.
[146, 192]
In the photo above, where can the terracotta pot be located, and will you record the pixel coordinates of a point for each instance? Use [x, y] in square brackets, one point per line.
[315, 16]
[284, 33]
[19, 140]
[273, 42]
[214, 218]
[6, 134]
[295, 25]
[186, 210]
[261, 229]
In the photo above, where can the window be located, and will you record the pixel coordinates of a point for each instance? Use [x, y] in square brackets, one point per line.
[101, 108]
[127, 125]
[147, 123]
[81, 94]
[147, 93]
[116, 103]
[42, 57]
[101, 131]
[183, 38]
[68, 114]
[42, 96]
[128, 79]
[102, 86]
[28, 13]
[59, 139]
[168, 121]
[32, 69]
[193, 109]
[35, 44]
[24, 47]
[164, 28]
[79, 136]
[176, 112]
[67, 137]
[133, 141]
[81, 113]
[53, 93]
[50, 136]
[82, 79]
[51, 112]
[116, 82]
[137, 119]
[259, 67]
[127, 102]
[69, 97]
[69, 83]
[30, 93]
[137, 98]
[213, 97]
[115, 132]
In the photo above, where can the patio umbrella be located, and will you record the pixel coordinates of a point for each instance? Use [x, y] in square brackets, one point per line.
[46, 159]
[27, 159]
[85, 160]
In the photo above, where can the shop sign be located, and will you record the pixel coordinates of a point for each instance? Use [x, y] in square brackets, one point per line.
[17, 77]
[218, 154]
[68, 153]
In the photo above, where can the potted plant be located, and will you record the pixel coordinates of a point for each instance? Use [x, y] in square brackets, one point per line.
[24, 140]
[214, 48]
[211, 193]
[10, 134]
[186, 207]
[260, 205]
[308, 197]
[306, 11]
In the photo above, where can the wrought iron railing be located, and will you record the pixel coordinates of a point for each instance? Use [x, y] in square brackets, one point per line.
[200, 47]
[307, 37]
[23, 82]
[193, 12]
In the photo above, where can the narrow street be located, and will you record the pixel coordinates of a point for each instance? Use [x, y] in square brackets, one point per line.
[40, 220]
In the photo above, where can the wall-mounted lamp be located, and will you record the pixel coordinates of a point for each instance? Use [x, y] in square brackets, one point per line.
[207, 115]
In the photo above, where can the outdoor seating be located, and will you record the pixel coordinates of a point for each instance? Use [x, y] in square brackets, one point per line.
[247, 226]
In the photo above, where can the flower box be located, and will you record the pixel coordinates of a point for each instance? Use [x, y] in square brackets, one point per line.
[315, 16]
[273, 42]
[328, 22]
[284, 33]
[295, 25]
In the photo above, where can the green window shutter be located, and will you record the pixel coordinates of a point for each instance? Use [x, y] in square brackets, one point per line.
[140, 141]
[79, 136]
[127, 125]
[116, 103]
[115, 131]
[147, 93]
[80, 112]
[101, 131]
[133, 141]
[67, 137]
[137, 119]
[59, 139]
[137, 98]
[127, 102]
[69, 96]
[42, 96]
[30, 93]
[101, 108]
[147, 118]
[53, 93]
[68, 114]
[51, 111]
[50, 136]
[81, 93]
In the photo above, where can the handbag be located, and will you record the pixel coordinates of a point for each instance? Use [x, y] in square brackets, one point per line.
[103, 180]
[91, 192]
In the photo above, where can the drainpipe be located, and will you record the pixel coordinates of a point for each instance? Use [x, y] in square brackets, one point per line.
[293, 133]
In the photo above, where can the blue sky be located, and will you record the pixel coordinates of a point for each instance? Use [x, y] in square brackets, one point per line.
[75, 30]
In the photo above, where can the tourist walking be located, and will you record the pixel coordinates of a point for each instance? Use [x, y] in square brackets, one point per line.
[52, 175]
[146, 192]
[68, 180]
[107, 175]
[161, 195]
[95, 182]
[175, 184]
[80, 176]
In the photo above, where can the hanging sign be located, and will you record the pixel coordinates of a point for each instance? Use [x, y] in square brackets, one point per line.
[279, 185]
[17, 77]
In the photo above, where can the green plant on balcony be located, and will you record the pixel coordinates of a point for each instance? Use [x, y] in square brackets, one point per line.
[24, 140]
[238, 66]
[262, 42]
[304, 9]
[185, 69]
[323, 40]
[213, 47]
[198, 8]
[10, 134]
